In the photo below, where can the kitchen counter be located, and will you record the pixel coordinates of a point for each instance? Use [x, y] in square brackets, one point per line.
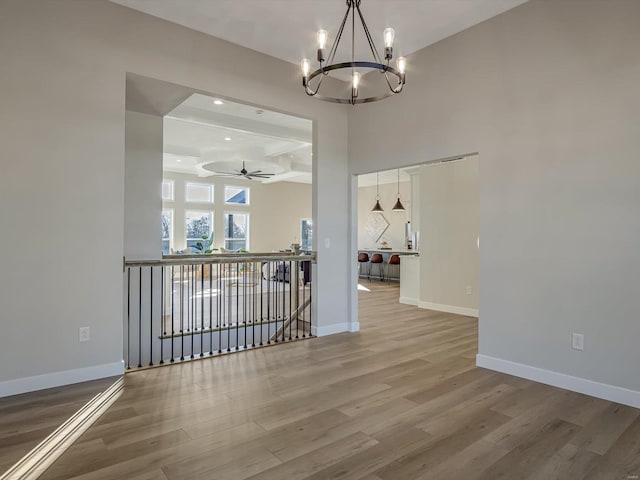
[389, 251]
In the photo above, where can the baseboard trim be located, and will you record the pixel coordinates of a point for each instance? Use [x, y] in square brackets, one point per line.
[410, 301]
[439, 307]
[330, 329]
[561, 380]
[57, 379]
[354, 327]
[34, 463]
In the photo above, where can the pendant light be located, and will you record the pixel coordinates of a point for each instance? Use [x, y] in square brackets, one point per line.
[398, 207]
[377, 207]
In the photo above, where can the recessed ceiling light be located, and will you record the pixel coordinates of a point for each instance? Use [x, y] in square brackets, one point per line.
[228, 139]
[178, 160]
[218, 102]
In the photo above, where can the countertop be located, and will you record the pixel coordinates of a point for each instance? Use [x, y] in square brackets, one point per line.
[392, 251]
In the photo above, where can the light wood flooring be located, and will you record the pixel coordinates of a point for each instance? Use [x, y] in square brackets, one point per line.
[400, 400]
[26, 420]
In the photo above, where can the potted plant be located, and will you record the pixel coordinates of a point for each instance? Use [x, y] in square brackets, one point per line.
[204, 246]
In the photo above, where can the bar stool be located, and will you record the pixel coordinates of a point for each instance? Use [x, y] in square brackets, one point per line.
[377, 259]
[394, 260]
[363, 257]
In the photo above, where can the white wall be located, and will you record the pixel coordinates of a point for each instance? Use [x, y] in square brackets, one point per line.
[62, 126]
[394, 235]
[448, 242]
[142, 182]
[275, 210]
[547, 94]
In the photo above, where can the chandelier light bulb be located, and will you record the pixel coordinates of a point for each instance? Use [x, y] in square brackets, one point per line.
[306, 66]
[389, 34]
[322, 39]
[402, 64]
[356, 80]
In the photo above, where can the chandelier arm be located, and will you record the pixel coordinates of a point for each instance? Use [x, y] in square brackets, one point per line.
[372, 45]
[334, 47]
[398, 87]
[310, 91]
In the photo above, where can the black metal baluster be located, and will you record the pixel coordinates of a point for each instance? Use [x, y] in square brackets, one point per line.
[173, 328]
[304, 302]
[211, 267]
[194, 294]
[237, 304]
[151, 316]
[284, 296]
[254, 305]
[219, 306]
[244, 302]
[163, 327]
[261, 299]
[291, 291]
[310, 301]
[182, 312]
[268, 303]
[276, 297]
[229, 310]
[128, 318]
[202, 311]
[139, 317]
[298, 299]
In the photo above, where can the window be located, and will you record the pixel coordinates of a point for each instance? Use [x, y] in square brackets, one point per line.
[198, 225]
[236, 227]
[236, 195]
[167, 190]
[199, 192]
[306, 234]
[167, 231]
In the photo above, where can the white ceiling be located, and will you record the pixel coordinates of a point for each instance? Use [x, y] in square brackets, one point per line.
[286, 28]
[202, 138]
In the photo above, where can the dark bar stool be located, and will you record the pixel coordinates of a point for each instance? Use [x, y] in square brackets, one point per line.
[394, 261]
[377, 259]
[364, 258]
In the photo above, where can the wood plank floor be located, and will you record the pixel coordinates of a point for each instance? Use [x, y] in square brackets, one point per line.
[26, 420]
[399, 400]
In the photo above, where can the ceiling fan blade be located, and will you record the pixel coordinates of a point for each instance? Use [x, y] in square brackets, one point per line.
[226, 173]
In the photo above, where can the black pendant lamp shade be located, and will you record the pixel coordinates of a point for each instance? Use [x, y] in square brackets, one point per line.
[398, 207]
[377, 207]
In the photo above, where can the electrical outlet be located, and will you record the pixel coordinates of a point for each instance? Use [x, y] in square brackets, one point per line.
[577, 341]
[84, 334]
[469, 290]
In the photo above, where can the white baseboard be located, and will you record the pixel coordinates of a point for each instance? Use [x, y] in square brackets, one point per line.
[439, 307]
[561, 380]
[410, 301]
[330, 329]
[355, 327]
[57, 379]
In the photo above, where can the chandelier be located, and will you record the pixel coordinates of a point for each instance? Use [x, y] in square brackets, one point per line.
[395, 77]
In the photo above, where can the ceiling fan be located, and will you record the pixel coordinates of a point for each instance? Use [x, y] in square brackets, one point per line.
[244, 173]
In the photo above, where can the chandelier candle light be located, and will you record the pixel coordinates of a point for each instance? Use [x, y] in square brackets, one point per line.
[327, 64]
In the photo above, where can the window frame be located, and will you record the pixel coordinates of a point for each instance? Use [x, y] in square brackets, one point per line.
[308, 220]
[247, 189]
[186, 229]
[247, 231]
[210, 186]
[171, 212]
[172, 184]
